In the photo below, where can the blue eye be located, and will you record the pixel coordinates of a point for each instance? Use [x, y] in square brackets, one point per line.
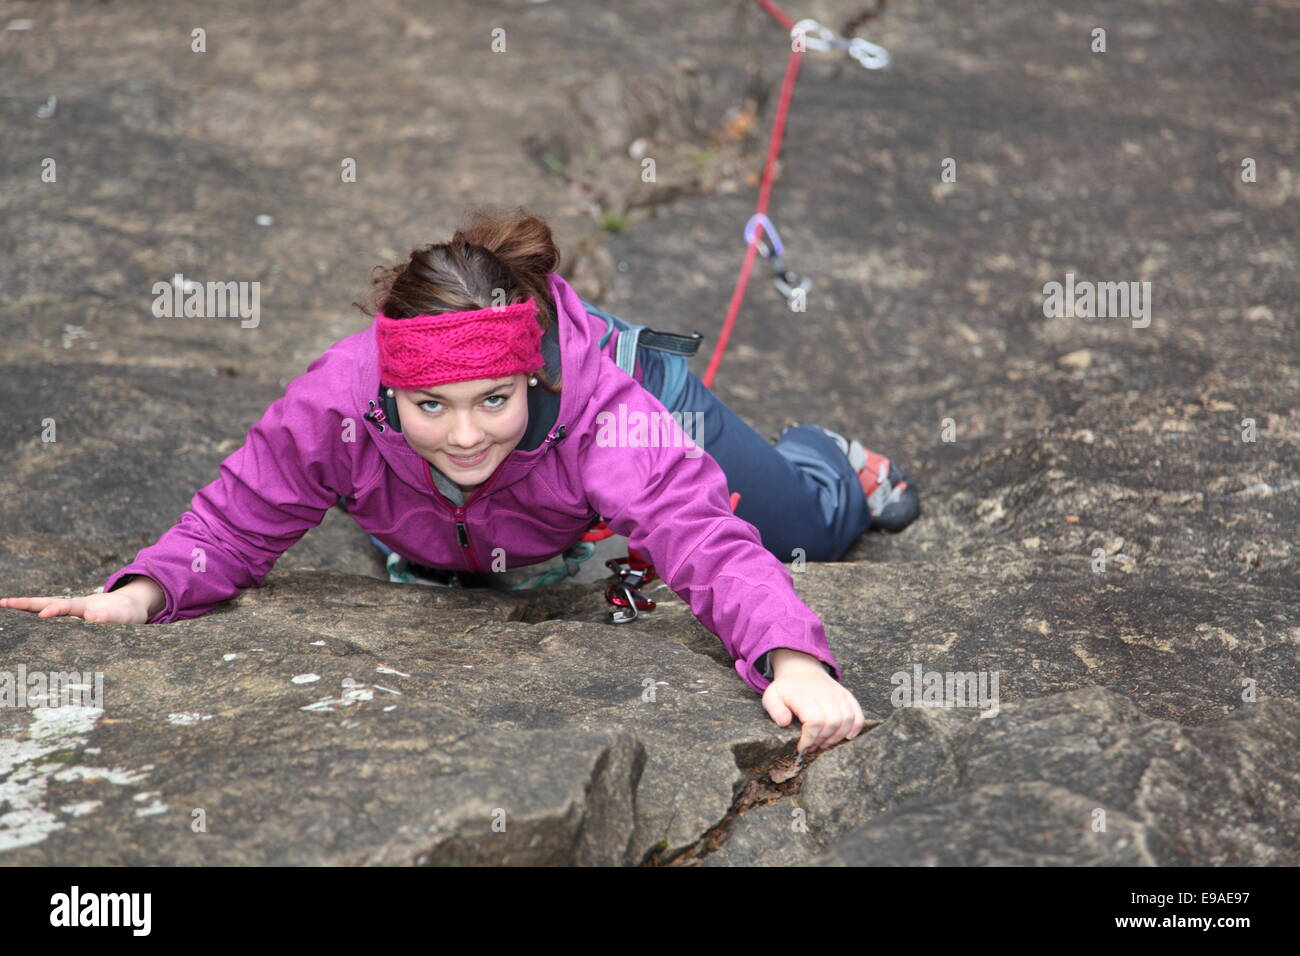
[504, 399]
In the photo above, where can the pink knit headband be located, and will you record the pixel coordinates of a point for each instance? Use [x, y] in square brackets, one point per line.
[459, 346]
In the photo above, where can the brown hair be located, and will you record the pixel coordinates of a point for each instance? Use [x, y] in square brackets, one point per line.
[494, 250]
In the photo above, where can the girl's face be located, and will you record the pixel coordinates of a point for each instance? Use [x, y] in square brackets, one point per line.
[482, 419]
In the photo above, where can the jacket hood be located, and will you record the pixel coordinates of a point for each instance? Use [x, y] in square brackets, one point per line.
[569, 340]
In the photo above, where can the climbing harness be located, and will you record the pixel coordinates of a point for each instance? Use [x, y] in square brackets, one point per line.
[677, 348]
[632, 570]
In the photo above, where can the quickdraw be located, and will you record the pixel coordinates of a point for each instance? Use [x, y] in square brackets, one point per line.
[789, 283]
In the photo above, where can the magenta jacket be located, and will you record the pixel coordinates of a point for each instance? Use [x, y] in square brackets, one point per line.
[322, 440]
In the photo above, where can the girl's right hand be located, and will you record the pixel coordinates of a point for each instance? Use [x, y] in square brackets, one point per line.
[129, 604]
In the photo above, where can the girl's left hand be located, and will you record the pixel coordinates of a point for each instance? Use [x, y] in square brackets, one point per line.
[826, 710]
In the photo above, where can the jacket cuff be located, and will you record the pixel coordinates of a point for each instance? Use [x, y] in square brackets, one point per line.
[764, 664]
[132, 571]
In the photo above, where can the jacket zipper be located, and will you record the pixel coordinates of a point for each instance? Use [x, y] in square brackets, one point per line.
[458, 511]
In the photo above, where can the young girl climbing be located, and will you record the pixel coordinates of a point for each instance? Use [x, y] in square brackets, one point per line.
[464, 424]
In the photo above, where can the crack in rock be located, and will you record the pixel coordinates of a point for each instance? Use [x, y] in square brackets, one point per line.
[767, 781]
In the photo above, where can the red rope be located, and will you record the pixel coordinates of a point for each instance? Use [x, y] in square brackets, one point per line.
[764, 191]
[777, 13]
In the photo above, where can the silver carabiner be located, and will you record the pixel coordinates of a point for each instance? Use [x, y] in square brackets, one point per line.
[822, 42]
[871, 55]
[624, 615]
[770, 238]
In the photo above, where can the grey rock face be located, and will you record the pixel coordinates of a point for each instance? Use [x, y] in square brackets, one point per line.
[1102, 528]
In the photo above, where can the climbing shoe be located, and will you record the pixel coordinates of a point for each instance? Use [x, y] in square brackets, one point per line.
[892, 495]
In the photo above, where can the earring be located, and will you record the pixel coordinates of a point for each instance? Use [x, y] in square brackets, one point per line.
[533, 380]
[390, 393]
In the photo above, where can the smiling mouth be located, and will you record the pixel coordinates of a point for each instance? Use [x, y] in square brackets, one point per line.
[473, 460]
